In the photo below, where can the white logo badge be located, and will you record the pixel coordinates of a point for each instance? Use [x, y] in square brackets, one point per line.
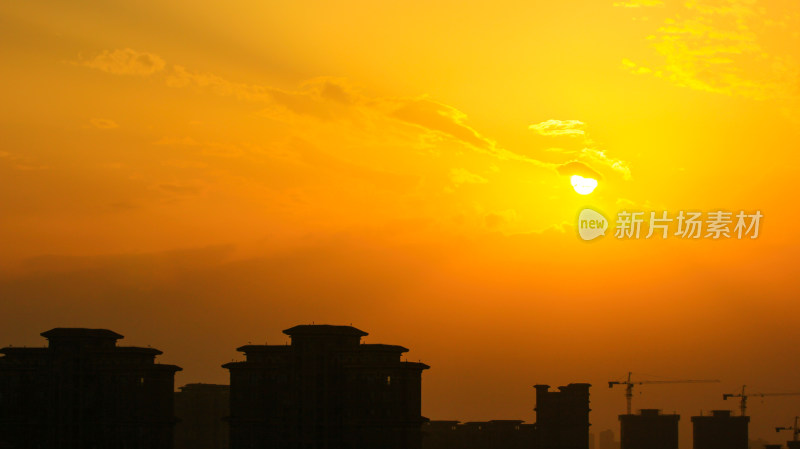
[591, 224]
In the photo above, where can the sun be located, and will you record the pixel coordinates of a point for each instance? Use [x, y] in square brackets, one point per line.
[583, 186]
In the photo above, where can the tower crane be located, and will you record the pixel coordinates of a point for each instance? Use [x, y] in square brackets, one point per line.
[743, 397]
[630, 383]
[795, 429]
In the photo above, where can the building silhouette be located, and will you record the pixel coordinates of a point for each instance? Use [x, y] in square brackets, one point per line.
[720, 430]
[649, 430]
[506, 434]
[562, 417]
[325, 390]
[83, 391]
[441, 434]
[202, 411]
[606, 440]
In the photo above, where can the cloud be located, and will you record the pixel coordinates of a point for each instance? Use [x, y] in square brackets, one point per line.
[600, 156]
[179, 76]
[729, 47]
[589, 153]
[578, 168]
[462, 176]
[559, 128]
[442, 118]
[19, 162]
[327, 99]
[103, 123]
[126, 62]
[449, 121]
[322, 98]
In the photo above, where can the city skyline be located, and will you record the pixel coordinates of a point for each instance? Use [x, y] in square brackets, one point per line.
[348, 342]
[199, 177]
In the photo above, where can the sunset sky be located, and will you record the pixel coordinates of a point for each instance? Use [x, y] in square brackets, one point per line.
[197, 176]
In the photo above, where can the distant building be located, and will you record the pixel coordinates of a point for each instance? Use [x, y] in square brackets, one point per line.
[505, 434]
[720, 430]
[202, 411]
[325, 390]
[84, 392]
[793, 444]
[649, 430]
[562, 417]
[606, 440]
[441, 434]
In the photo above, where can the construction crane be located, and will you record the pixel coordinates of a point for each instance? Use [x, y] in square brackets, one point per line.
[630, 383]
[743, 397]
[795, 429]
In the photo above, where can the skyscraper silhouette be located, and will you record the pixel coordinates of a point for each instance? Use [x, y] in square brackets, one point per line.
[562, 417]
[720, 430]
[649, 430]
[325, 390]
[85, 392]
[202, 411]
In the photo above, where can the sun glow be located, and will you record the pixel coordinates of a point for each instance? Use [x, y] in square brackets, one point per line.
[583, 186]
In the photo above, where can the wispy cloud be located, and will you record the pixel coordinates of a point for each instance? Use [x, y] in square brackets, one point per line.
[20, 163]
[125, 62]
[589, 154]
[330, 99]
[726, 47]
[103, 123]
[559, 128]
[600, 156]
[461, 176]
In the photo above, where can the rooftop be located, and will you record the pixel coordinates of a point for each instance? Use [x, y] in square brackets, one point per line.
[80, 333]
[324, 329]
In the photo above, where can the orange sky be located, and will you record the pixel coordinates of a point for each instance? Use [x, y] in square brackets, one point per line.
[197, 177]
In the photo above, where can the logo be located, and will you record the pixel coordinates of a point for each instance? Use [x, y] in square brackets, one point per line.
[591, 224]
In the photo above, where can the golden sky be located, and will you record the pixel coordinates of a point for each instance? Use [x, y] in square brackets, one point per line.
[199, 175]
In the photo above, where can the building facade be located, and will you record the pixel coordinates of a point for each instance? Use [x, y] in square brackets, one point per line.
[202, 411]
[505, 434]
[649, 430]
[562, 417]
[83, 391]
[720, 430]
[326, 390]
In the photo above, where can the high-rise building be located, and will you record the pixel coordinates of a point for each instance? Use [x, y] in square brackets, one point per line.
[720, 430]
[606, 440]
[441, 434]
[83, 391]
[500, 433]
[325, 390]
[562, 417]
[649, 430]
[202, 411]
